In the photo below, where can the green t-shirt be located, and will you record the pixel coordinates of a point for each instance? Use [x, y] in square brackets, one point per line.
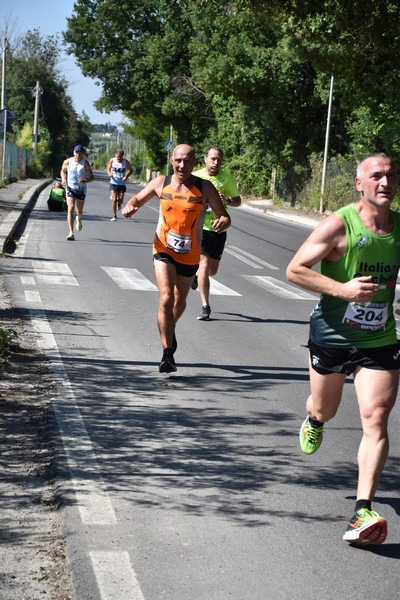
[57, 194]
[225, 184]
[336, 323]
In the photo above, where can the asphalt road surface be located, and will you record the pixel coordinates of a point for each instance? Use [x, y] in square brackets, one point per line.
[191, 486]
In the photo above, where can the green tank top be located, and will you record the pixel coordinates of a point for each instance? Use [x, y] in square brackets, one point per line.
[337, 323]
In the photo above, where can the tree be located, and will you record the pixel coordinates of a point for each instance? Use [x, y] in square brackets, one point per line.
[33, 58]
[40, 164]
[138, 50]
[250, 75]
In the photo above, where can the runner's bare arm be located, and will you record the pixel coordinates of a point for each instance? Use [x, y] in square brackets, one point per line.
[64, 172]
[129, 170]
[109, 168]
[153, 188]
[327, 241]
[89, 171]
[223, 220]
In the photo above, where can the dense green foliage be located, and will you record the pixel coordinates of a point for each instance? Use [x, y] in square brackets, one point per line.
[35, 58]
[252, 76]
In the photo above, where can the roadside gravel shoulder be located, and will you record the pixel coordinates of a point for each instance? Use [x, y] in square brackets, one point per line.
[32, 552]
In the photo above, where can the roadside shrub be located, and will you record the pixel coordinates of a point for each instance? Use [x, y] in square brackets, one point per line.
[8, 343]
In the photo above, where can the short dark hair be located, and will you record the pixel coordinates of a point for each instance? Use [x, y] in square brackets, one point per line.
[214, 148]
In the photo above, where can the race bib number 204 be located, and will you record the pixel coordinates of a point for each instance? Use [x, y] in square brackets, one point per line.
[371, 316]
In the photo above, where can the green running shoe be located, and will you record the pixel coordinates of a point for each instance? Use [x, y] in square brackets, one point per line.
[310, 437]
[366, 527]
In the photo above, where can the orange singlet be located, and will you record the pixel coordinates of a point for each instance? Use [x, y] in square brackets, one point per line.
[180, 223]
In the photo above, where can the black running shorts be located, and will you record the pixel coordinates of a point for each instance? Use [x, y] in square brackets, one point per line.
[118, 188]
[184, 270]
[345, 360]
[213, 243]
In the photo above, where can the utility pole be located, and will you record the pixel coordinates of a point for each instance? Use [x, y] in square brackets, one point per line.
[169, 145]
[3, 105]
[36, 137]
[328, 126]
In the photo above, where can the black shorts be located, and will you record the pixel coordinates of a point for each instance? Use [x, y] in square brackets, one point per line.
[77, 195]
[118, 188]
[213, 243]
[184, 270]
[345, 360]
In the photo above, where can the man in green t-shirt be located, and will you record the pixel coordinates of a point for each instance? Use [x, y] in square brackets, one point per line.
[213, 243]
[56, 199]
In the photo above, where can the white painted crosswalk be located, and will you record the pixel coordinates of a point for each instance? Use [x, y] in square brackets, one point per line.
[53, 272]
[280, 288]
[50, 273]
[57, 273]
[249, 259]
[130, 279]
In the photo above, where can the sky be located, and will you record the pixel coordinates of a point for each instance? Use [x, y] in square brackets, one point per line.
[50, 17]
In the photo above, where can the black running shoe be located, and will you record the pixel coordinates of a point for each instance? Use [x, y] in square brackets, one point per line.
[195, 283]
[204, 313]
[167, 364]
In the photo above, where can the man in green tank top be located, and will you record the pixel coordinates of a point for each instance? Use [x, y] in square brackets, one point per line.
[352, 328]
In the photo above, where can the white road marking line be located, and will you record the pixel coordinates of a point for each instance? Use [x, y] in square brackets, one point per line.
[235, 251]
[92, 500]
[21, 245]
[32, 296]
[280, 288]
[218, 289]
[27, 280]
[130, 279]
[115, 576]
[53, 273]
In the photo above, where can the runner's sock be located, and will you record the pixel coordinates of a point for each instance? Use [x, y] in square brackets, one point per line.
[363, 504]
[314, 422]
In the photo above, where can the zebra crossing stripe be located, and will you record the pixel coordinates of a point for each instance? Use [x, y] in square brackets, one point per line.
[249, 259]
[54, 273]
[218, 289]
[130, 279]
[280, 288]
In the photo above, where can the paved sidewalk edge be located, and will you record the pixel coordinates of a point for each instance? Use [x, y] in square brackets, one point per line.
[13, 219]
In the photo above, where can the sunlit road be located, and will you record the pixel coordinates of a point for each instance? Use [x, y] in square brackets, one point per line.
[192, 486]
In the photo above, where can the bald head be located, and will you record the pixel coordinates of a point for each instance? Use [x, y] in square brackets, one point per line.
[184, 149]
[183, 161]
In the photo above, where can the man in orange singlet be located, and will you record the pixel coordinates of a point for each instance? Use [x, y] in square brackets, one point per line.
[177, 240]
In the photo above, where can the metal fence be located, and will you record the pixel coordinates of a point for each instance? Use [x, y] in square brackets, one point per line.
[15, 161]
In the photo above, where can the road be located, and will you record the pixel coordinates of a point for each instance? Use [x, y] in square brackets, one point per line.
[192, 486]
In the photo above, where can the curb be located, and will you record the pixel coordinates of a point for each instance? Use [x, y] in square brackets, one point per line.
[15, 216]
